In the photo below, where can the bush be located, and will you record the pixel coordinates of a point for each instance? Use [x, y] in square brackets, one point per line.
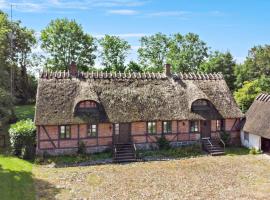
[254, 151]
[163, 143]
[226, 137]
[81, 148]
[23, 138]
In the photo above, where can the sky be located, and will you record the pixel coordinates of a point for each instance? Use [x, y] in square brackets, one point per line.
[225, 25]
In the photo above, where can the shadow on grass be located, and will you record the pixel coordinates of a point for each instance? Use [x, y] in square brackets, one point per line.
[18, 183]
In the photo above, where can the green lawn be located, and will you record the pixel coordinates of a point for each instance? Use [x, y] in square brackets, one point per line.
[25, 111]
[16, 180]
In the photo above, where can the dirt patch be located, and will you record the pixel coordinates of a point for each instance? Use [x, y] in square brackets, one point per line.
[226, 177]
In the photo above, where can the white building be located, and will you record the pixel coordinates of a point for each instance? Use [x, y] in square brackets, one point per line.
[256, 130]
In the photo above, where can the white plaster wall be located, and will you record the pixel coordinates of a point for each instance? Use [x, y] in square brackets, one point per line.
[254, 141]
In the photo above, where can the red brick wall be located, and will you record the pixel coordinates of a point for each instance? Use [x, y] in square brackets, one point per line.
[104, 136]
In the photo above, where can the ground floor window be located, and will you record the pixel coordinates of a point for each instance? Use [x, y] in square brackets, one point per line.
[194, 126]
[246, 136]
[92, 130]
[65, 132]
[151, 127]
[116, 129]
[167, 127]
[220, 125]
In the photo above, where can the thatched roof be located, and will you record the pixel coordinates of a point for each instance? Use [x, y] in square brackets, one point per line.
[131, 97]
[258, 117]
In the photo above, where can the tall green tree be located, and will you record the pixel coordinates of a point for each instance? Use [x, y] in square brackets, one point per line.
[65, 41]
[250, 90]
[114, 52]
[187, 52]
[256, 65]
[221, 62]
[153, 51]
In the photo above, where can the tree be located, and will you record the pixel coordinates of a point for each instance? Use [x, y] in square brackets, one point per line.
[153, 51]
[187, 52]
[114, 52]
[221, 62]
[256, 65]
[23, 42]
[65, 41]
[134, 67]
[250, 90]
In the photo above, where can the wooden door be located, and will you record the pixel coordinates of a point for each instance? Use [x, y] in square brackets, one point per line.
[122, 133]
[205, 128]
[265, 146]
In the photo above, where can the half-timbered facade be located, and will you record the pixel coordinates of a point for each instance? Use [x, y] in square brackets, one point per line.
[102, 109]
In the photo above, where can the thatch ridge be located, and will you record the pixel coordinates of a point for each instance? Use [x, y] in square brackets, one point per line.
[258, 116]
[129, 75]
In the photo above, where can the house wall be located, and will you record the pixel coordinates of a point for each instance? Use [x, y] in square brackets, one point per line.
[48, 136]
[254, 141]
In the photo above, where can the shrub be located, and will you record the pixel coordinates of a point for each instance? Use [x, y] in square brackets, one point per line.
[81, 148]
[163, 143]
[226, 137]
[254, 151]
[22, 138]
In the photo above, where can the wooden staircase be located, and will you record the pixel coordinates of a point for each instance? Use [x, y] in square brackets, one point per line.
[213, 146]
[124, 153]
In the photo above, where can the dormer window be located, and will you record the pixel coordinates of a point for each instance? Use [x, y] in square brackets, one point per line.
[86, 106]
[200, 104]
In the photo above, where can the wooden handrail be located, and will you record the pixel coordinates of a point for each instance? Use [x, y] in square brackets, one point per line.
[222, 143]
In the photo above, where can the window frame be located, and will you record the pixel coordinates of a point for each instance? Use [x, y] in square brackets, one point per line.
[246, 136]
[66, 127]
[90, 127]
[165, 131]
[222, 125]
[197, 126]
[155, 127]
[116, 129]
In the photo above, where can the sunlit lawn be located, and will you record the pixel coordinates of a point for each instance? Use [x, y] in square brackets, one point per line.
[16, 180]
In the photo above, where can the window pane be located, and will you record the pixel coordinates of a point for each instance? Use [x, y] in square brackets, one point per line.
[116, 129]
[62, 129]
[68, 132]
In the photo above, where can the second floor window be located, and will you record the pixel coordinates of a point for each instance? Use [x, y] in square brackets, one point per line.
[167, 127]
[92, 130]
[151, 127]
[65, 132]
[194, 126]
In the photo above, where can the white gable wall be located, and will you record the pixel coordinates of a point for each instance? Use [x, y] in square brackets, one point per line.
[254, 141]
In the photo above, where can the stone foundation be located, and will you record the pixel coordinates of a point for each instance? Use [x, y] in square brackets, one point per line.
[71, 151]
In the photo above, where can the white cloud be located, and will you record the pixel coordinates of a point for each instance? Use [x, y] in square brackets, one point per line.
[123, 12]
[48, 5]
[169, 14]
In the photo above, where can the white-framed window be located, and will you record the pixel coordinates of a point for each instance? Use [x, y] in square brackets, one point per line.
[92, 130]
[194, 126]
[220, 125]
[64, 131]
[151, 127]
[167, 127]
[116, 129]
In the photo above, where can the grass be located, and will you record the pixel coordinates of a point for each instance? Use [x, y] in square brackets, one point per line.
[16, 179]
[233, 151]
[181, 152]
[25, 111]
[73, 159]
[203, 177]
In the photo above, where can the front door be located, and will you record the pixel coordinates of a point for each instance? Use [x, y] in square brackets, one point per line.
[205, 128]
[265, 145]
[122, 133]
